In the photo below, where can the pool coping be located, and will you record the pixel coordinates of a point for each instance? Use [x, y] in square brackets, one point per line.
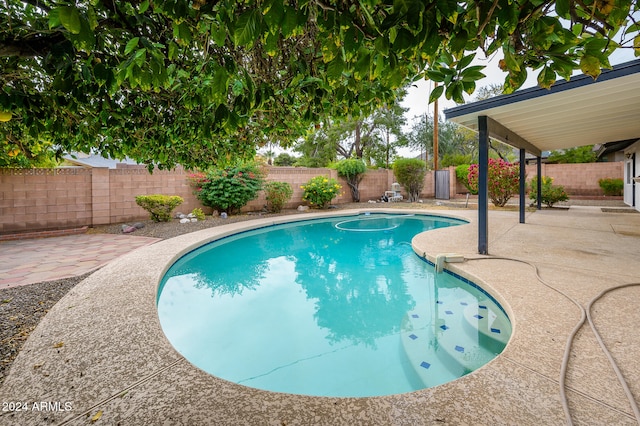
[101, 352]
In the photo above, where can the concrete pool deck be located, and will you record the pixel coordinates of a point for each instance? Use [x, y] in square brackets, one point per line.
[100, 357]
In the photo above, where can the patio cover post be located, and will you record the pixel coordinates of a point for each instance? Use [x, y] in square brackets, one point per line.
[539, 189]
[522, 182]
[483, 173]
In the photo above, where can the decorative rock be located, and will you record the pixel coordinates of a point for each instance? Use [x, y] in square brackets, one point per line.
[223, 215]
[303, 208]
[178, 214]
[182, 216]
[138, 225]
[184, 220]
[193, 219]
[128, 230]
[191, 216]
[124, 226]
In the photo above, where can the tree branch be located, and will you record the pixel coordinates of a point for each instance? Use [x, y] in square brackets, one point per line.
[37, 46]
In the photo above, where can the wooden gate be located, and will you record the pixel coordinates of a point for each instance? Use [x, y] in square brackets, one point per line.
[442, 184]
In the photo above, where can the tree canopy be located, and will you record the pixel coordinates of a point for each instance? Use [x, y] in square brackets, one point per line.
[196, 83]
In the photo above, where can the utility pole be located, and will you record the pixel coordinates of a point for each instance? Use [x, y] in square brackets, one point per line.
[435, 131]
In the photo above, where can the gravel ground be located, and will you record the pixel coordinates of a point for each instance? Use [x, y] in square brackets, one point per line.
[21, 308]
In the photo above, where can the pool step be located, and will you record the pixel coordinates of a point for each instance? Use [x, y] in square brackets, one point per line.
[449, 344]
[491, 331]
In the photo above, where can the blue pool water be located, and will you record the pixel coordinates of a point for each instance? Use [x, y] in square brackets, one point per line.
[329, 307]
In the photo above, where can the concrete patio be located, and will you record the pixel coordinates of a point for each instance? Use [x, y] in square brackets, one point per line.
[100, 357]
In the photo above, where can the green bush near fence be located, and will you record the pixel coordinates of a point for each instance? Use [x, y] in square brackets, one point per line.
[159, 206]
[550, 194]
[611, 186]
[277, 195]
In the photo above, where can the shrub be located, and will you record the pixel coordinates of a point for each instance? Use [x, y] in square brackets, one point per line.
[228, 190]
[159, 206]
[198, 213]
[611, 186]
[410, 174]
[503, 180]
[462, 174]
[551, 194]
[277, 193]
[320, 190]
[353, 171]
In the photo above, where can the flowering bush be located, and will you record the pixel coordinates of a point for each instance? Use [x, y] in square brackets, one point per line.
[319, 191]
[277, 193]
[551, 193]
[228, 190]
[503, 180]
[196, 180]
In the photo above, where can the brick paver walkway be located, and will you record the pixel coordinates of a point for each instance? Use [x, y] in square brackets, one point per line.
[30, 261]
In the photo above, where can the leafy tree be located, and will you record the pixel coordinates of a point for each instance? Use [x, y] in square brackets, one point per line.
[372, 138]
[410, 174]
[580, 154]
[197, 83]
[284, 159]
[453, 139]
[353, 171]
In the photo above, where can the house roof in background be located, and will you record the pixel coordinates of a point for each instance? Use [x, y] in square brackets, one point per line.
[610, 147]
[92, 160]
[572, 113]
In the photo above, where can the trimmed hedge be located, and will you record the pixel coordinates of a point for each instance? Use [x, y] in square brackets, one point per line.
[159, 206]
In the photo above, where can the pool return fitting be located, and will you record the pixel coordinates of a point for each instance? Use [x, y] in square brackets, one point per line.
[446, 257]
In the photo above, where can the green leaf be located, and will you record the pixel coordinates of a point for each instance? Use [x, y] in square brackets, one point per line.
[289, 23]
[54, 18]
[510, 60]
[465, 61]
[562, 8]
[182, 33]
[131, 45]
[246, 28]
[590, 65]
[546, 78]
[143, 6]
[69, 18]
[435, 93]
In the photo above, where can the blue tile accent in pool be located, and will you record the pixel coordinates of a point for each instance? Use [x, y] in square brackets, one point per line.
[495, 330]
[464, 303]
[439, 302]
[448, 312]
[425, 364]
[444, 327]
[459, 348]
[415, 316]
[482, 307]
[478, 316]
[413, 336]
[471, 283]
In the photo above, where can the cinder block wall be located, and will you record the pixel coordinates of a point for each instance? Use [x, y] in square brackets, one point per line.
[579, 179]
[33, 199]
[46, 199]
[128, 182]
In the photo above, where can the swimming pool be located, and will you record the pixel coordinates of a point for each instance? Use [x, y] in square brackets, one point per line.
[330, 307]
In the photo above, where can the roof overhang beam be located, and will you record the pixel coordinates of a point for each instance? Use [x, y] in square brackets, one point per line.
[499, 132]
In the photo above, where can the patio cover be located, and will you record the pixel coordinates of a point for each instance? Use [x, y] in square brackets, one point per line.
[576, 112]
